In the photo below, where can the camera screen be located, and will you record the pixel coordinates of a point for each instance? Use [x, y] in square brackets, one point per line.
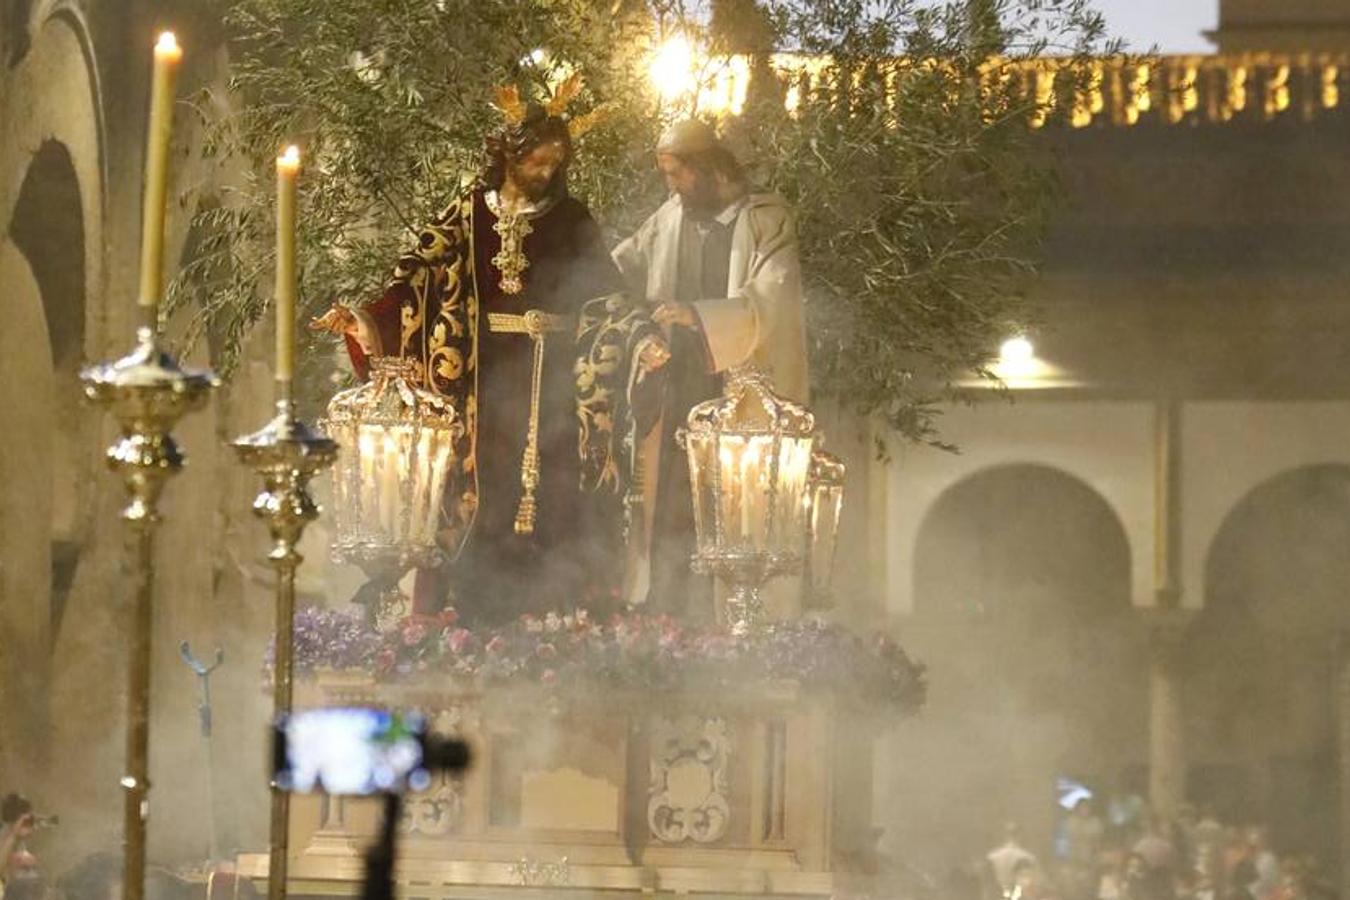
[350, 751]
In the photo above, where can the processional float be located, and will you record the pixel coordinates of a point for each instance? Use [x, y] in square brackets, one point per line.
[767, 500]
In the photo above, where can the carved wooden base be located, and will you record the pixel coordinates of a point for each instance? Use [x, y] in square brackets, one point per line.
[763, 791]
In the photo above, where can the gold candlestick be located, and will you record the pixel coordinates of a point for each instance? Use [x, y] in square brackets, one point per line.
[287, 454]
[147, 392]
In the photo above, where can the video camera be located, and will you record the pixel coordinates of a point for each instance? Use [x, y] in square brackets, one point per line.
[363, 752]
[345, 751]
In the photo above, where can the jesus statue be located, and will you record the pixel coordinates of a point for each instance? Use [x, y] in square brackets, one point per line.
[509, 302]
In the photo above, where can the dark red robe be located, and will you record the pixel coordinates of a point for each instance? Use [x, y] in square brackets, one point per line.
[436, 310]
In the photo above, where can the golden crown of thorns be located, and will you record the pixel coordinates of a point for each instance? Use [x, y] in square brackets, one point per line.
[513, 107]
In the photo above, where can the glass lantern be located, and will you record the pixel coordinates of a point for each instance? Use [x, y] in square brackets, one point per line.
[749, 459]
[397, 457]
[824, 508]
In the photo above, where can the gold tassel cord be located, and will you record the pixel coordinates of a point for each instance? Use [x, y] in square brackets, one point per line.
[537, 325]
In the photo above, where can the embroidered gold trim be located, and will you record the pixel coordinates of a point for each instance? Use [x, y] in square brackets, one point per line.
[512, 226]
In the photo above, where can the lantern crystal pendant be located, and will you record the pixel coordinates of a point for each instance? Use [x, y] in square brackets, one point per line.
[749, 460]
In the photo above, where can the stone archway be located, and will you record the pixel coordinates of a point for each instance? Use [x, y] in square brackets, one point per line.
[1037, 665]
[52, 177]
[47, 228]
[42, 266]
[1263, 657]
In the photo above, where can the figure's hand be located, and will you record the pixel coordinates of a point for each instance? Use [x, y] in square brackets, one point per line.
[653, 355]
[668, 315]
[338, 320]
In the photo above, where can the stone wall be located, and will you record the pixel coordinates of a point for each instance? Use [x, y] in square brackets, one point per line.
[74, 92]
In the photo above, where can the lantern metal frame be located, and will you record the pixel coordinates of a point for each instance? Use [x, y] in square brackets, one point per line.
[393, 397]
[742, 566]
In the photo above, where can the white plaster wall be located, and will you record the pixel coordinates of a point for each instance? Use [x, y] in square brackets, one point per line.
[1228, 449]
[1107, 445]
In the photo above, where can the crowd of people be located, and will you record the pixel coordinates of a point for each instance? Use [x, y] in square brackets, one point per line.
[1193, 856]
[98, 876]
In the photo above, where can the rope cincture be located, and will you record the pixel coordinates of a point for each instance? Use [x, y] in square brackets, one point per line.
[537, 325]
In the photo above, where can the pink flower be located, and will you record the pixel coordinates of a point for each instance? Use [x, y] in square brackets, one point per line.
[414, 633]
[545, 651]
[458, 639]
[495, 645]
[549, 677]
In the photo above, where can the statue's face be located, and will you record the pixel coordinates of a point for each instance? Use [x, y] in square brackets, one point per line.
[533, 173]
[698, 191]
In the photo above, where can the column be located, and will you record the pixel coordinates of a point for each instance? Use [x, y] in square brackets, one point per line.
[1167, 620]
[1167, 736]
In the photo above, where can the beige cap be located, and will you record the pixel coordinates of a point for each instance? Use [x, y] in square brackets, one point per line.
[686, 137]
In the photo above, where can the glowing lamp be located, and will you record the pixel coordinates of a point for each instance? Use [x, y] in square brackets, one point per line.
[397, 457]
[672, 69]
[749, 460]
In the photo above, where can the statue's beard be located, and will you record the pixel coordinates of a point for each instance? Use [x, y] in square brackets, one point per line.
[701, 201]
[536, 189]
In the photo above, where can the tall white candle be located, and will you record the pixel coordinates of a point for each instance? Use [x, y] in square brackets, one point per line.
[168, 55]
[288, 168]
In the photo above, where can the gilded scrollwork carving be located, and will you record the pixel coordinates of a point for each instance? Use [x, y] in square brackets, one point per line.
[689, 796]
[438, 811]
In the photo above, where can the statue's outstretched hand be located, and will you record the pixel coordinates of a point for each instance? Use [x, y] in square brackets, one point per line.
[653, 354]
[338, 320]
[670, 314]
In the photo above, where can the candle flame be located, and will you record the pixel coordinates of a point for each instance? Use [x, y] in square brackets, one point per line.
[167, 45]
[290, 158]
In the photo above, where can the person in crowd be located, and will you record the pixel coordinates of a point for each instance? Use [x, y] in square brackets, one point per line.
[1084, 832]
[1083, 839]
[1029, 882]
[1158, 846]
[1006, 857]
[16, 827]
[1205, 886]
[1266, 864]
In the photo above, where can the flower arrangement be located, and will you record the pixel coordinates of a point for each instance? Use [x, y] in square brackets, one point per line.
[634, 652]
